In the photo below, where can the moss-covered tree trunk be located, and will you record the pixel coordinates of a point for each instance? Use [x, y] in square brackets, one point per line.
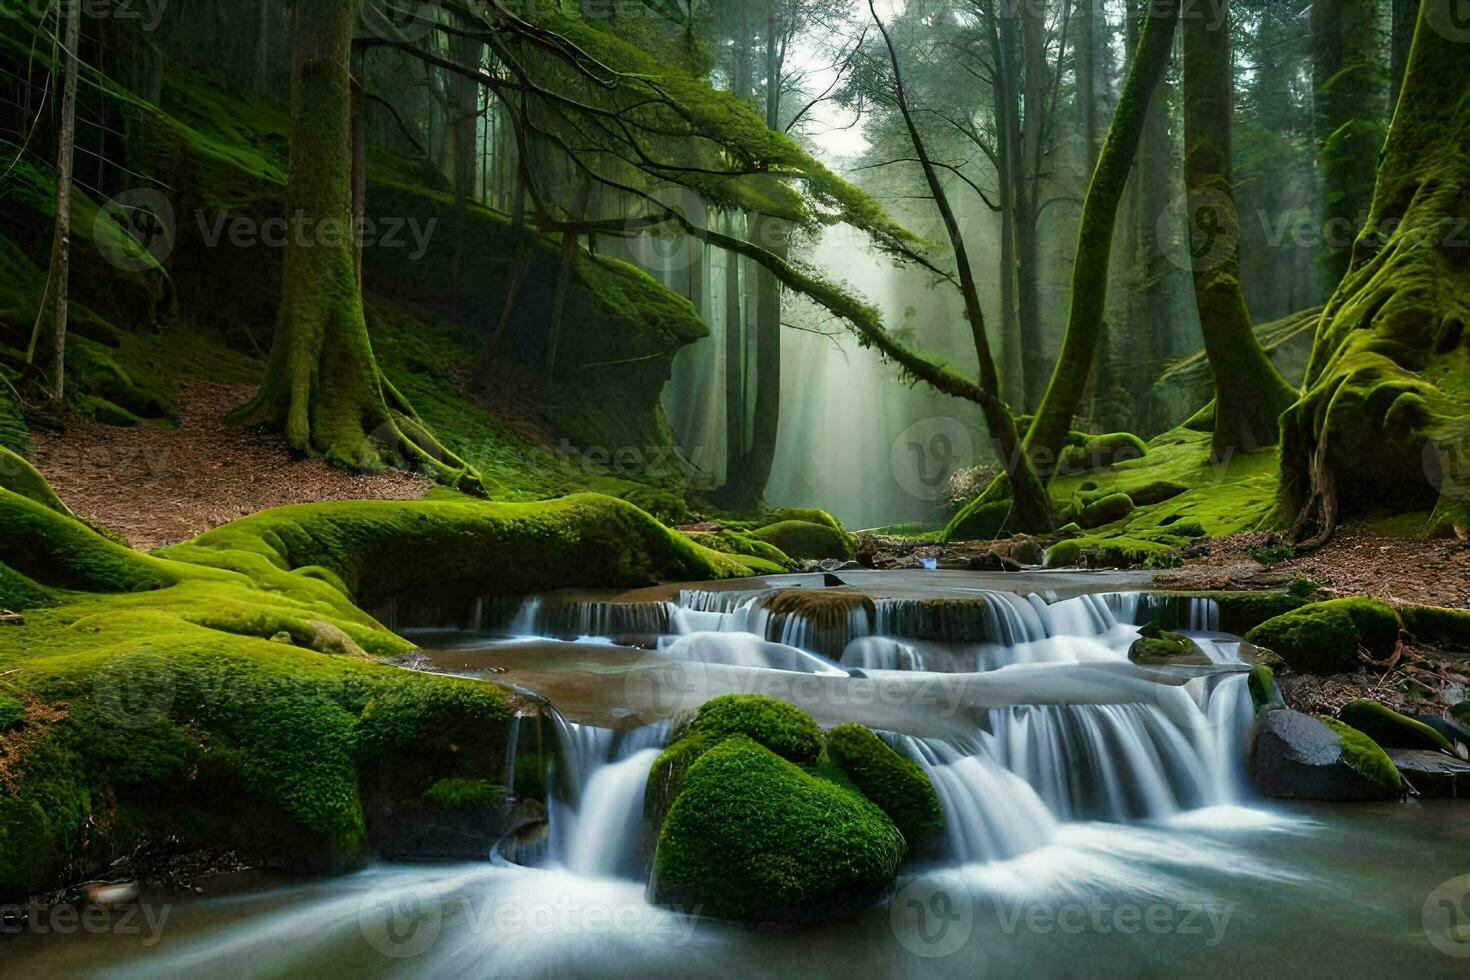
[1095, 235]
[1382, 425]
[1250, 394]
[322, 387]
[1348, 107]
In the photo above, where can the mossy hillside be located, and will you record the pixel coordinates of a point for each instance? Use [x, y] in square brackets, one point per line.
[459, 547]
[1364, 756]
[1325, 637]
[806, 541]
[754, 837]
[897, 785]
[1391, 729]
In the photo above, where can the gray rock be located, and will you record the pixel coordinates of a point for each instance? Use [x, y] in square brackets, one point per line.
[1448, 727]
[1433, 773]
[1297, 757]
[1029, 553]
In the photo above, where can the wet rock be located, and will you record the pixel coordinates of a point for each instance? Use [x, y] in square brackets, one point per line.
[1433, 773]
[1029, 553]
[1297, 756]
[1165, 648]
[1453, 730]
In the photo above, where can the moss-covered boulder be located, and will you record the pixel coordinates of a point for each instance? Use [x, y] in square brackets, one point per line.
[785, 730]
[806, 541]
[1105, 510]
[1163, 648]
[1261, 682]
[1389, 728]
[1299, 756]
[897, 785]
[1118, 552]
[1326, 637]
[754, 837]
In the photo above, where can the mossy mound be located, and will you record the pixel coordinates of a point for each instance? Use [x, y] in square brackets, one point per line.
[806, 541]
[785, 730]
[897, 785]
[754, 837]
[1104, 552]
[744, 545]
[1325, 637]
[1093, 453]
[1364, 756]
[1105, 510]
[1261, 682]
[1389, 728]
[1448, 629]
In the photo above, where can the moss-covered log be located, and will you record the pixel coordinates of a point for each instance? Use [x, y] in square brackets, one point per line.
[1382, 423]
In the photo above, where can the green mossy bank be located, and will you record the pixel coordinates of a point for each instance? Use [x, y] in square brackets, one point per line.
[223, 693]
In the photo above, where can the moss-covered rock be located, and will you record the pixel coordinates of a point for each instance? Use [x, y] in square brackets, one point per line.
[1261, 682]
[1166, 648]
[804, 540]
[983, 523]
[756, 838]
[453, 795]
[785, 730]
[1105, 510]
[1364, 756]
[1325, 637]
[1119, 552]
[1389, 728]
[1301, 756]
[897, 785]
[1445, 628]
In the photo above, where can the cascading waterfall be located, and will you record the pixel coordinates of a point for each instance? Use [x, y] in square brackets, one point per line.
[1006, 789]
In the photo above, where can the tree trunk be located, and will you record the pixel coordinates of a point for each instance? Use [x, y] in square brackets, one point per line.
[322, 386]
[1347, 82]
[1373, 430]
[1031, 507]
[1095, 236]
[1085, 69]
[59, 278]
[464, 96]
[734, 362]
[1028, 204]
[1250, 393]
[1006, 165]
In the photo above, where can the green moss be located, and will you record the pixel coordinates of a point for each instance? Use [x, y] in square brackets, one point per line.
[19, 476]
[1364, 756]
[745, 545]
[754, 837]
[1262, 684]
[785, 730]
[452, 795]
[1094, 453]
[899, 787]
[1325, 637]
[12, 713]
[803, 540]
[1106, 552]
[1387, 727]
[1445, 628]
[983, 523]
[1105, 510]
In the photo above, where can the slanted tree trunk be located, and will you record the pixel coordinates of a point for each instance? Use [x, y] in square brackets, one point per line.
[1095, 236]
[1031, 507]
[322, 387]
[1373, 430]
[58, 280]
[1347, 82]
[1250, 394]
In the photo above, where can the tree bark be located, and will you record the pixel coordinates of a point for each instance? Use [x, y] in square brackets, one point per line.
[322, 386]
[1250, 394]
[1032, 34]
[464, 96]
[1095, 235]
[1373, 430]
[1347, 82]
[1405, 16]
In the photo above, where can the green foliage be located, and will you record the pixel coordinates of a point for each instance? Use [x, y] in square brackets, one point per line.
[455, 795]
[899, 787]
[1325, 637]
[1364, 756]
[785, 730]
[1389, 728]
[12, 713]
[1270, 554]
[756, 838]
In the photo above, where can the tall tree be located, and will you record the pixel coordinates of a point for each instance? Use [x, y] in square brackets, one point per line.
[1250, 393]
[1095, 234]
[1373, 429]
[322, 386]
[1347, 78]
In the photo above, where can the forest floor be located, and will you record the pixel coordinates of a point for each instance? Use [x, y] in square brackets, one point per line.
[157, 486]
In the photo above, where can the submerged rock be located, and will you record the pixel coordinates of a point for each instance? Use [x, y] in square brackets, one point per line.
[1299, 756]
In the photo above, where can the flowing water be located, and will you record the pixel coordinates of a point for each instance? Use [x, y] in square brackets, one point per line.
[1097, 816]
